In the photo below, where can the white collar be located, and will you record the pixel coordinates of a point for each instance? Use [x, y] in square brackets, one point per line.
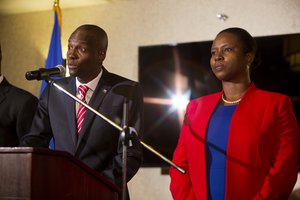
[93, 83]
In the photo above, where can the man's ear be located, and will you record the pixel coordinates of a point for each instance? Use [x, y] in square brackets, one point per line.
[102, 55]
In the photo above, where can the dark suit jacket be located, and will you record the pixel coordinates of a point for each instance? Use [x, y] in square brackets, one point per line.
[17, 108]
[98, 144]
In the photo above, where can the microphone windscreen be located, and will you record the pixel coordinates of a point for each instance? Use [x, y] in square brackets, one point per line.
[62, 70]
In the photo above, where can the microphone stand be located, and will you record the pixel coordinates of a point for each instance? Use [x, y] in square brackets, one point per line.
[123, 135]
[125, 143]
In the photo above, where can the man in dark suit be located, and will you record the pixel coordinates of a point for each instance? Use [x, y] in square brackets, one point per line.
[97, 144]
[17, 108]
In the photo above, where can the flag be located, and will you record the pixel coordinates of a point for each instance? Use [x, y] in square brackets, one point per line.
[55, 53]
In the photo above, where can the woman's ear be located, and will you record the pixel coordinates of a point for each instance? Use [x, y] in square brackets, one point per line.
[250, 58]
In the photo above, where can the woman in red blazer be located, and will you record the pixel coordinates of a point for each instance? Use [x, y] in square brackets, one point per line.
[240, 143]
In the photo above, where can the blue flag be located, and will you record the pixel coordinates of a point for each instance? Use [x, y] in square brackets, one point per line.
[55, 54]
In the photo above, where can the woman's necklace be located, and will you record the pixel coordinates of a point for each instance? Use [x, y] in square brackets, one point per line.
[230, 102]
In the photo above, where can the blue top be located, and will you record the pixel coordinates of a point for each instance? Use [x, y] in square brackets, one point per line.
[217, 138]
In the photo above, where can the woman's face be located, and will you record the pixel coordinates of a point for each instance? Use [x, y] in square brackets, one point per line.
[228, 58]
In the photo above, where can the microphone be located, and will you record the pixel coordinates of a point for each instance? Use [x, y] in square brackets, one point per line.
[44, 73]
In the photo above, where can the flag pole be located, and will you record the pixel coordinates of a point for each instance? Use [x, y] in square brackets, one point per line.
[56, 9]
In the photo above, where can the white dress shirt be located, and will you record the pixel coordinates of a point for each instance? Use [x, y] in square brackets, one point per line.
[92, 86]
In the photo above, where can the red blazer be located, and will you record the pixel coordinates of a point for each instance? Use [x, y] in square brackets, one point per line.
[262, 150]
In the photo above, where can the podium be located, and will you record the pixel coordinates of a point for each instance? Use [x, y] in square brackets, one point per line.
[35, 174]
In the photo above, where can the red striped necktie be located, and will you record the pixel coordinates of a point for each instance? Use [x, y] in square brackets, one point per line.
[81, 111]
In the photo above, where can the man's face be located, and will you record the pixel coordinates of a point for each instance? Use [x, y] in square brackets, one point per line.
[84, 56]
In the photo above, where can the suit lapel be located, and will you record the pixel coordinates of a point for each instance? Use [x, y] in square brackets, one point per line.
[2, 94]
[204, 113]
[3, 90]
[70, 109]
[199, 119]
[101, 90]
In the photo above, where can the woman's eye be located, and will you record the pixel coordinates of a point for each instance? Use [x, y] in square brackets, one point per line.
[82, 49]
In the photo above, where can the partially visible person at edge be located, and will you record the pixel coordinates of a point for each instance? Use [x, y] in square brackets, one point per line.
[97, 143]
[17, 108]
[240, 143]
